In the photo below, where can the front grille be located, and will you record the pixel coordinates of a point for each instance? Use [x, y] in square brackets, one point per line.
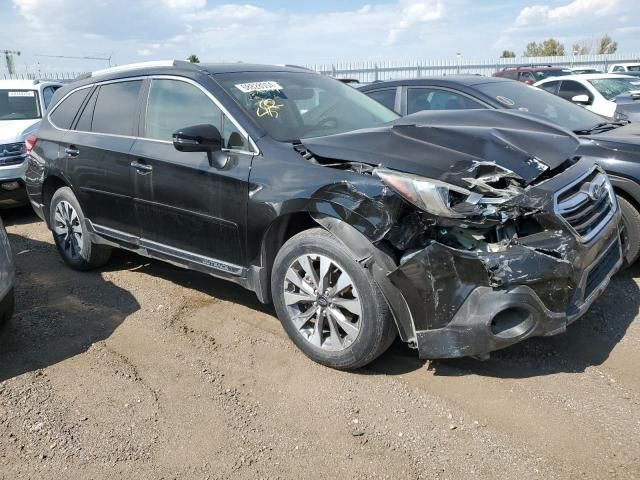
[587, 204]
[601, 270]
[12, 154]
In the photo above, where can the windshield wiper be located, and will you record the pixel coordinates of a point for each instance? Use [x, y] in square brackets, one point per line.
[601, 127]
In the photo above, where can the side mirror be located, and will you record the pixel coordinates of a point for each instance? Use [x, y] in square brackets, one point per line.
[202, 138]
[581, 99]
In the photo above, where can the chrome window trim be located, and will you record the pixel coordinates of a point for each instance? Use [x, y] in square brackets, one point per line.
[254, 148]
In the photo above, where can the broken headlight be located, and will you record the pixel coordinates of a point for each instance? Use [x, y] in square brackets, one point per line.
[438, 198]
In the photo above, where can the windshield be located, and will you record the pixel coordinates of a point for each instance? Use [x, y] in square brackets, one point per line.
[19, 105]
[528, 99]
[542, 74]
[610, 88]
[292, 106]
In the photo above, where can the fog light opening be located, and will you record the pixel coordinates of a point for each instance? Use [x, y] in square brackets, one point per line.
[512, 322]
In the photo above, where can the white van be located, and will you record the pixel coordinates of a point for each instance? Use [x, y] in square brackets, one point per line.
[624, 67]
[22, 104]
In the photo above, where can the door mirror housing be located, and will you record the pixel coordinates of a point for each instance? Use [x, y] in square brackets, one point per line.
[582, 99]
[202, 138]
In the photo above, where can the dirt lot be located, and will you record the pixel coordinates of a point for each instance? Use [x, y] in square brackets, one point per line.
[143, 370]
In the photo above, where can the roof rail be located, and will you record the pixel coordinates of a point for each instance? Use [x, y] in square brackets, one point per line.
[137, 66]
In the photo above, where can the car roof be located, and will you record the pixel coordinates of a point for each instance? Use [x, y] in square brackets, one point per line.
[586, 76]
[25, 84]
[440, 79]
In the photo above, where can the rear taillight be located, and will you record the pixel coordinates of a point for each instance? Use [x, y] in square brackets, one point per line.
[29, 143]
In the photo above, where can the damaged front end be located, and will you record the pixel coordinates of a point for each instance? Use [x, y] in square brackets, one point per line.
[486, 256]
[511, 267]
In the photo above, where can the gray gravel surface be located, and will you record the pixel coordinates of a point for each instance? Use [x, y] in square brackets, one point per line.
[143, 370]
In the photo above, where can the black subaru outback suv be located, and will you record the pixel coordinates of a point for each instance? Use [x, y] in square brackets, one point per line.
[460, 232]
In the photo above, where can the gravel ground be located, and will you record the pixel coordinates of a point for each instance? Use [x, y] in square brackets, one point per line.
[143, 370]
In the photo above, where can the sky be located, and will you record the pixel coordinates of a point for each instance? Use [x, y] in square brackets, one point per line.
[299, 32]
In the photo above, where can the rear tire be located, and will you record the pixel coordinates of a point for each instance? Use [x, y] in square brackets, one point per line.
[328, 303]
[70, 233]
[631, 236]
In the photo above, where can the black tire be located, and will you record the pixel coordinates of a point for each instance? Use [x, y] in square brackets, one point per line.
[376, 327]
[631, 234]
[76, 250]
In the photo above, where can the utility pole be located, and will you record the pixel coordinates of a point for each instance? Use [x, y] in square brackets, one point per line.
[8, 57]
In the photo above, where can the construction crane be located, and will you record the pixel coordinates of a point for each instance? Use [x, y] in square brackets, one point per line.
[104, 59]
[8, 57]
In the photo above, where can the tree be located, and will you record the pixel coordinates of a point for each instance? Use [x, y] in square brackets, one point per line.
[508, 54]
[193, 58]
[548, 48]
[581, 49]
[607, 45]
[532, 50]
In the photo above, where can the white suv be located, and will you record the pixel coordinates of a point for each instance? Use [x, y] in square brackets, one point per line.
[624, 67]
[22, 105]
[615, 97]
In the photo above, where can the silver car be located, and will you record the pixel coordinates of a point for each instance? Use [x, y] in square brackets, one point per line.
[7, 277]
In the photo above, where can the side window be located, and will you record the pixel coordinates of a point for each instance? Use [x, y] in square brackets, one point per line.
[115, 108]
[527, 77]
[419, 99]
[84, 122]
[174, 104]
[65, 112]
[618, 68]
[551, 87]
[386, 97]
[47, 95]
[569, 89]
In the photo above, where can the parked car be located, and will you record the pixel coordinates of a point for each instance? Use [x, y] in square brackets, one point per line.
[463, 232]
[612, 96]
[531, 74]
[624, 67]
[7, 277]
[581, 70]
[616, 143]
[22, 103]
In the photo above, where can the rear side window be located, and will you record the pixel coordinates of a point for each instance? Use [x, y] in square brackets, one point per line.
[550, 87]
[569, 89]
[65, 112]
[84, 122]
[115, 109]
[419, 99]
[386, 97]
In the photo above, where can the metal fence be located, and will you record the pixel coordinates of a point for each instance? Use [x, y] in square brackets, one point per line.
[372, 71]
[59, 76]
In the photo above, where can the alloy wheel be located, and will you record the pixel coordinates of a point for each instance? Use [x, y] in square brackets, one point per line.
[68, 229]
[322, 302]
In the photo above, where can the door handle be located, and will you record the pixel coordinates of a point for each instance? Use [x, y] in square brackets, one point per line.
[71, 151]
[141, 167]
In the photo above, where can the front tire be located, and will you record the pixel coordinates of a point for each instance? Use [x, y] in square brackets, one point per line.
[70, 233]
[631, 235]
[328, 303]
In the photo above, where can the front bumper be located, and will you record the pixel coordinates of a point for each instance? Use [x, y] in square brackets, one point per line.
[12, 187]
[469, 303]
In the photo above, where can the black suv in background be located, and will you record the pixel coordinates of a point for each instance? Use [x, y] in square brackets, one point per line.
[616, 144]
[461, 233]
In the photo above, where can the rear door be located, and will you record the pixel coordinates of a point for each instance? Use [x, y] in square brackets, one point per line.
[187, 208]
[97, 153]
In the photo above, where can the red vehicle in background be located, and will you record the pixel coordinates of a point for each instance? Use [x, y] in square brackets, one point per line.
[531, 74]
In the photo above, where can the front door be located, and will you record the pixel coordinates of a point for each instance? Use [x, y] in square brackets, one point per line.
[185, 207]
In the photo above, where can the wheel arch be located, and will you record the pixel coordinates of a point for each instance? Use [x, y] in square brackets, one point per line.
[49, 187]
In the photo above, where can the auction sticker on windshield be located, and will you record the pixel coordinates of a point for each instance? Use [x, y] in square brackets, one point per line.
[258, 87]
[29, 93]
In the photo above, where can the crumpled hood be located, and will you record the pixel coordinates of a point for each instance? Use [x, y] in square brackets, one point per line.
[12, 131]
[448, 145]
